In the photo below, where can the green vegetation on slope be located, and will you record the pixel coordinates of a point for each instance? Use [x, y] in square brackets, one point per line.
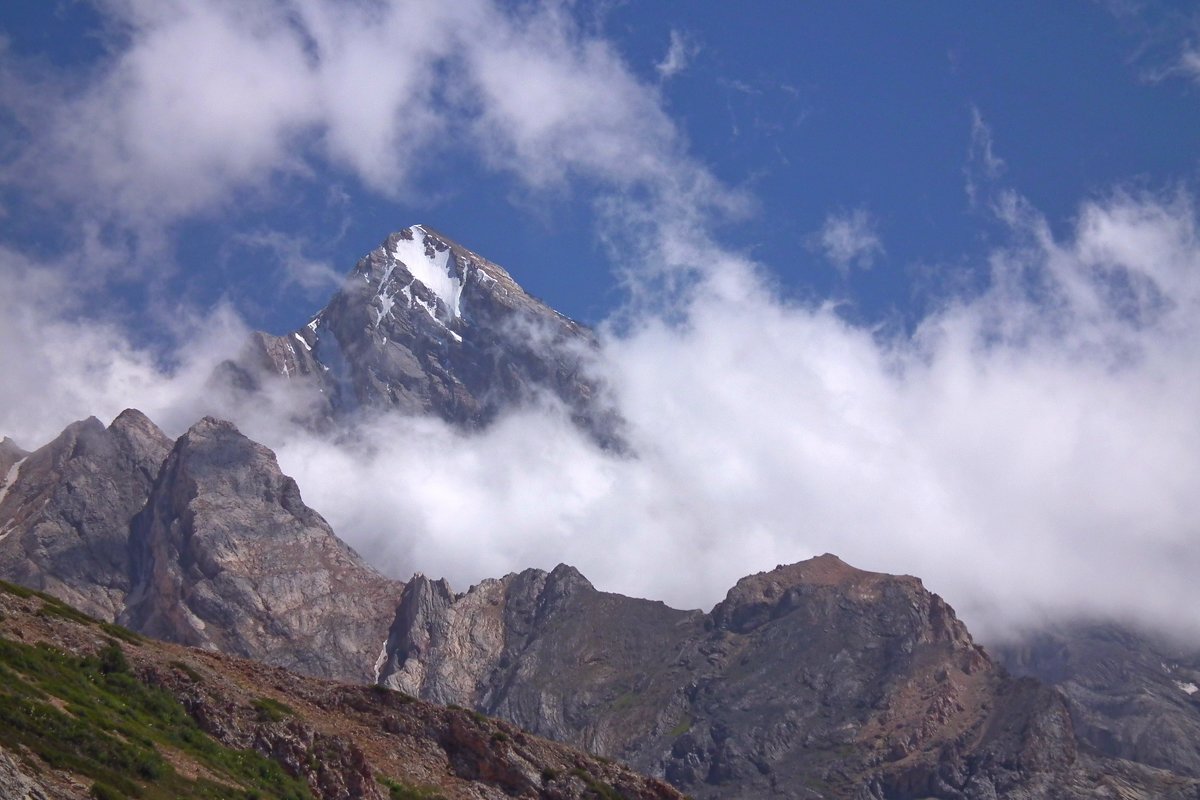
[93, 717]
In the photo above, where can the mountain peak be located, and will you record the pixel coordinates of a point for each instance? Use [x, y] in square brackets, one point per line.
[425, 326]
[209, 425]
[424, 261]
[10, 453]
[134, 424]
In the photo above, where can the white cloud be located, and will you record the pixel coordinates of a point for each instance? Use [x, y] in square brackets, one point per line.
[1189, 63]
[679, 55]
[200, 104]
[983, 166]
[1033, 450]
[849, 239]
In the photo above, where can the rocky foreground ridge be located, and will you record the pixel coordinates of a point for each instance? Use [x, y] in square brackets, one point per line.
[90, 710]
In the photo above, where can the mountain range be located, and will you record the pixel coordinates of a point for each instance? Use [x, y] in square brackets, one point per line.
[811, 680]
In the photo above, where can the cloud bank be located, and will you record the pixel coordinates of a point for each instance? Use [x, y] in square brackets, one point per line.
[1031, 450]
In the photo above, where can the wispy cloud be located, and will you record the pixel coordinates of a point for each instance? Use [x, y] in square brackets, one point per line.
[983, 166]
[290, 252]
[376, 91]
[848, 239]
[679, 55]
[1189, 63]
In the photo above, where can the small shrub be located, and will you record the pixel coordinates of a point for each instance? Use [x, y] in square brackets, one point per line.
[683, 727]
[54, 608]
[403, 791]
[112, 659]
[102, 791]
[599, 788]
[271, 710]
[124, 634]
[186, 670]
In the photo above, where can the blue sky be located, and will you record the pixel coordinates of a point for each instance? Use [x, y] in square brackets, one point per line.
[917, 284]
[872, 112]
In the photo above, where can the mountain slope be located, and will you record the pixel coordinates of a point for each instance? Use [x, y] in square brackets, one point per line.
[65, 510]
[424, 326]
[227, 556]
[203, 541]
[91, 710]
[813, 680]
[1132, 694]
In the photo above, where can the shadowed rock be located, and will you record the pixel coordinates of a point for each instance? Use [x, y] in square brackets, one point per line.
[65, 510]
[1132, 694]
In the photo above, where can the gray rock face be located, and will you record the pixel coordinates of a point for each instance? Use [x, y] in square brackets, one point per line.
[18, 782]
[10, 454]
[65, 510]
[205, 542]
[425, 326]
[225, 555]
[1133, 695]
[813, 680]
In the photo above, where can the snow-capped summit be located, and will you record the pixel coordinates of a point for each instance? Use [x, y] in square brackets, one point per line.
[426, 326]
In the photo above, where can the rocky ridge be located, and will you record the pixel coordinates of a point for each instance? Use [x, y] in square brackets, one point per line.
[143, 718]
[65, 510]
[812, 680]
[1132, 694]
[202, 541]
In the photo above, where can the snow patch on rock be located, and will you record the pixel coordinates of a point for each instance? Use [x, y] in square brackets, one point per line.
[433, 271]
[381, 660]
[9, 480]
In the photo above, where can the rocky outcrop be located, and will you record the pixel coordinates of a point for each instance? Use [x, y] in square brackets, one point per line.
[18, 781]
[209, 725]
[424, 326]
[1134, 695]
[203, 541]
[226, 556]
[10, 454]
[812, 680]
[65, 510]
